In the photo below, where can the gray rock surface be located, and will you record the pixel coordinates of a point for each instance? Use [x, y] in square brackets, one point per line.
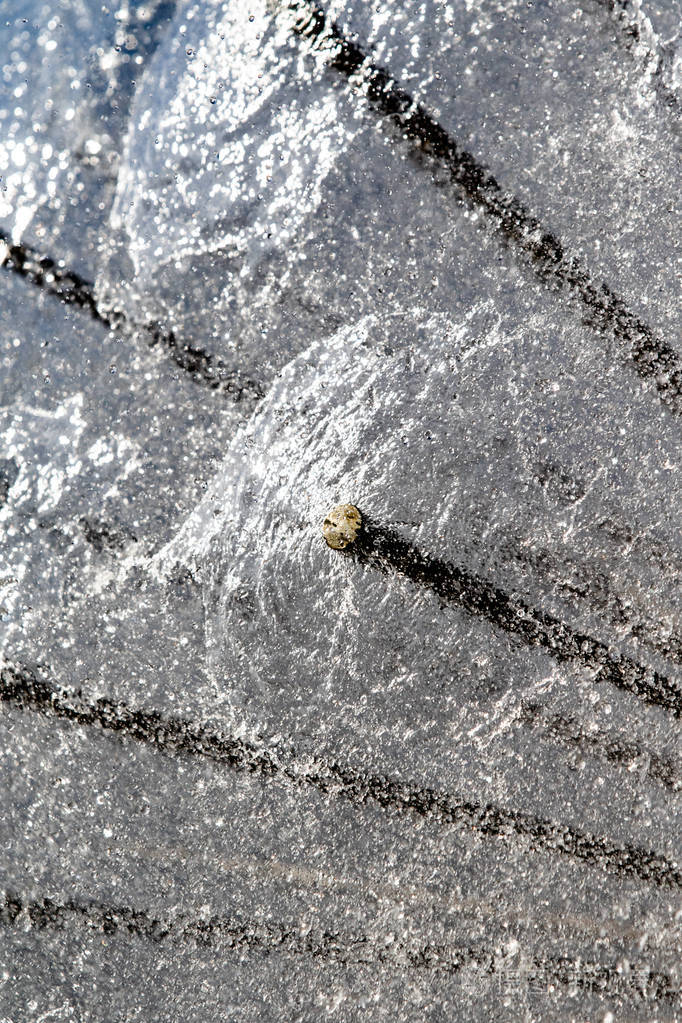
[437, 775]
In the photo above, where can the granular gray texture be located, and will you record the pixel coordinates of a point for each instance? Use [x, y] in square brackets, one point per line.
[258, 261]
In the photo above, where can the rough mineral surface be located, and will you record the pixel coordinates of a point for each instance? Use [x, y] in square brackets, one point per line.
[257, 260]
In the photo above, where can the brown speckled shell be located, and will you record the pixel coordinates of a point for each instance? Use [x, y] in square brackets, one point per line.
[341, 526]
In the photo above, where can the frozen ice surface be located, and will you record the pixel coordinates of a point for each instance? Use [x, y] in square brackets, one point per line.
[98, 459]
[68, 71]
[445, 440]
[222, 226]
[438, 775]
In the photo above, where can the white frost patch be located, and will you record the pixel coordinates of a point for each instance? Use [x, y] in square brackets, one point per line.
[44, 444]
[22, 219]
[116, 449]
[56, 466]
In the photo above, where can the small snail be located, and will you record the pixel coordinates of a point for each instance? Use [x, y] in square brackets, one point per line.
[341, 526]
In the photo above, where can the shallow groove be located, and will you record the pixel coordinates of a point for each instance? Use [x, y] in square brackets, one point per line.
[72, 289]
[653, 358]
[229, 933]
[382, 548]
[603, 745]
[27, 690]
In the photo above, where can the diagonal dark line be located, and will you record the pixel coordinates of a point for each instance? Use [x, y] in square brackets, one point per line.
[384, 549]
[72, 289]
[652, 358]
[582, 582]
[25, 689]
[45, 273]
[604, 745]
[235, 933]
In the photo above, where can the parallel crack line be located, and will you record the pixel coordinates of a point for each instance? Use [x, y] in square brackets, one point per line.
[233, 933]
[582, 583]
[72, 289]
[23, 688]
[595, 742]
[387, 551]
[654, 359]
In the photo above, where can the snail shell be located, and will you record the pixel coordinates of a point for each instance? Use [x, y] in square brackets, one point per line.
[341, 526]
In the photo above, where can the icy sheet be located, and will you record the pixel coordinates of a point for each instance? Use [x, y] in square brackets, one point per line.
[97, 461]
[68, 71]
[490, 454]
[227, 229]
[437, 775]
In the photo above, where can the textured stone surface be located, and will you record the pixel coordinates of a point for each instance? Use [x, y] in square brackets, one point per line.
[435, 775]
